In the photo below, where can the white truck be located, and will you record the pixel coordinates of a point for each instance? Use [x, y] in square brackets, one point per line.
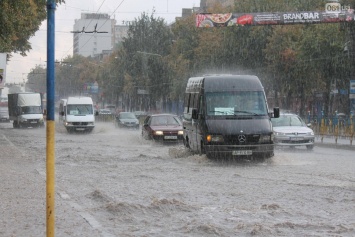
[78, 114]
[26, 109]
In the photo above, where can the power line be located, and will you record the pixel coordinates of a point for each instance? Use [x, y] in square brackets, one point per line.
[102, 24]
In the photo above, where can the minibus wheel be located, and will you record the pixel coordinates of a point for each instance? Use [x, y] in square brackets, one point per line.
[202, 149]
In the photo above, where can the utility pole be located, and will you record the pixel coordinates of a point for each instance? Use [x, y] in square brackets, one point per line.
[50, 160]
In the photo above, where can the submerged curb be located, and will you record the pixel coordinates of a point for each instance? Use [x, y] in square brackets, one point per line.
[333, 144]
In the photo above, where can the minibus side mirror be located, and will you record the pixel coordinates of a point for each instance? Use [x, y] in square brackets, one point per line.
[276, 112]
[62, 113]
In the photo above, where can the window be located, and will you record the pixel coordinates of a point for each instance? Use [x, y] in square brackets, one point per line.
[236, 103]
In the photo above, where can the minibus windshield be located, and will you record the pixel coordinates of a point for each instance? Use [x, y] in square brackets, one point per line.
[84, 109]
[236, 103]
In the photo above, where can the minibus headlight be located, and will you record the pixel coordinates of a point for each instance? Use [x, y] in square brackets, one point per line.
[266, 138]
[180, 132]
[215, 138]
[158, 132]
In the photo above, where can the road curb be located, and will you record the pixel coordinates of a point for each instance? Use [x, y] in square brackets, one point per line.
[335, 145]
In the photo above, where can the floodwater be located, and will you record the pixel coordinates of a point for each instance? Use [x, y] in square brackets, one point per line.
[123, 185]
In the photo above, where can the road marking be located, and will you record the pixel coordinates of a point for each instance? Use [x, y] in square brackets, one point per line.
[85, 215]
[13, 145]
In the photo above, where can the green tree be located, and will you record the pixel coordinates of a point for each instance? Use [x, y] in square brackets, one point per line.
[148, 42]
[72, 74]
[20, 20]
[36, 80]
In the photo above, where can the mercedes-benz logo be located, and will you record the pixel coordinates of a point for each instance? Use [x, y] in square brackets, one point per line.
[242, 138]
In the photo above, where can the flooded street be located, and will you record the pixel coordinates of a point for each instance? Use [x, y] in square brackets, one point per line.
[123, 185]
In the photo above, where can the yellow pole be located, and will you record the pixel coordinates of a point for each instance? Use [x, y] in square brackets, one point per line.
[50, 179]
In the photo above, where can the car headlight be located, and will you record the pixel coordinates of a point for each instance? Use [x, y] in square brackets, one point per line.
[310, 133]
[265, 138]
[279, 133]
[214, 138]
[158, 132]
[180, 132]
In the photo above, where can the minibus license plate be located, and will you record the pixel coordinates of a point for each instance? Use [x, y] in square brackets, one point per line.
[242, 152]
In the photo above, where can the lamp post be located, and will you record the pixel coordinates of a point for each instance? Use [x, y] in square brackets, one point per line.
[147, 93]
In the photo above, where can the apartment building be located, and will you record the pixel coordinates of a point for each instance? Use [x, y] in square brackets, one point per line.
[93, 34]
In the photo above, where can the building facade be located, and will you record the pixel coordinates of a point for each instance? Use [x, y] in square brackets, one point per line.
[93, 34]
[121, 32]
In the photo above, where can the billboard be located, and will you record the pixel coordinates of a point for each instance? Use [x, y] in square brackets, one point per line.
[352, 86]
[272, 18]
[3, 57]
[92, 88]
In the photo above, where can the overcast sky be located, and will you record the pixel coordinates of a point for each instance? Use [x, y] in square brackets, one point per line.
[121, 10]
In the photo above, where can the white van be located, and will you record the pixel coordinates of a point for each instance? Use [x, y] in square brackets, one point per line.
[79, 114]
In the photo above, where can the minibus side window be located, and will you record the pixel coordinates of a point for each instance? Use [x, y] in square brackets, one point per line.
[194, 102]
[187, 102]
[200, 106]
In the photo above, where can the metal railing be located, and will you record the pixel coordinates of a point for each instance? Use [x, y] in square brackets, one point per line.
[342, 128]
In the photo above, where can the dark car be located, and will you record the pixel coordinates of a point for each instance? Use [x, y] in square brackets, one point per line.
[127, 120]
[163, 127]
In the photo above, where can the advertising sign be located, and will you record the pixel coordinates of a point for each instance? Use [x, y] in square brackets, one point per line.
[352, 87]
[92, 88]
[276, 18]
[2, 69]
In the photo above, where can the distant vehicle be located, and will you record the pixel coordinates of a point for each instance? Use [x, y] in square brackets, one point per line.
[227, 116]
[112, 108]
[290, 130]
[4, 114]
[3, 99]
[105, 111]
[163, 127]
[79, 114]
[140, 113]
[127, 120]
[62, 109]
[26, 109]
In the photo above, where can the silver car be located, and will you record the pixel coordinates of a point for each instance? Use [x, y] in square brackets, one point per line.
[290, 130]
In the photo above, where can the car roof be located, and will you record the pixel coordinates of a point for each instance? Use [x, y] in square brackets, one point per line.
[288, 114]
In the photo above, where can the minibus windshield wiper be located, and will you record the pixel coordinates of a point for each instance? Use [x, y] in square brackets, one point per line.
[218, 111]
[245, 112]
